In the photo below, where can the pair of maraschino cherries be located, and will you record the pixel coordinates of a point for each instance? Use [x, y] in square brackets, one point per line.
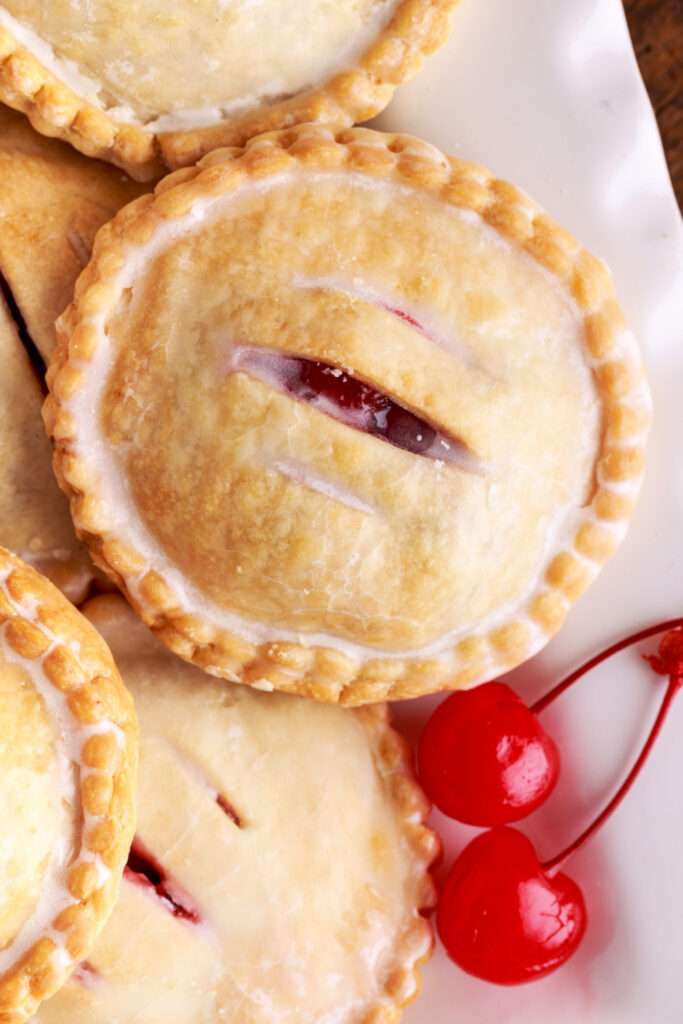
[485, 759]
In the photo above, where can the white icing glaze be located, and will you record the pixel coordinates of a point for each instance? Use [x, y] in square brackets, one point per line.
[71, 737]
[303, 475]
[92, 449]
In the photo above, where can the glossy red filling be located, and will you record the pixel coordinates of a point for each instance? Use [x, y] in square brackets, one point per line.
[144, 870]
[407, 318]
[358, 404]
[228, 810]
[337, 393]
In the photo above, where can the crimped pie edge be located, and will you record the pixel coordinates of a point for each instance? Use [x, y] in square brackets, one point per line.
[416, 941]
[31, 608]
[417, 28]
[610, 351]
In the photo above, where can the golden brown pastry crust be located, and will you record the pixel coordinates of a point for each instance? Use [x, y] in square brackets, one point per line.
[417, 28]
[34, 518]
[321, 672]
[53, 202]
[40, 627]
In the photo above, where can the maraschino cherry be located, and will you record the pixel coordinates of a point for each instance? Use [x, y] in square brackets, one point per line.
[485, 759]
[505, 917]
[501, 917]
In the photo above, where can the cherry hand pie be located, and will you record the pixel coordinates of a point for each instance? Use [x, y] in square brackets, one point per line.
[149, 84]
[345, 417]
[34, 517]
[68, 749]
[280, 862]
[52, 201]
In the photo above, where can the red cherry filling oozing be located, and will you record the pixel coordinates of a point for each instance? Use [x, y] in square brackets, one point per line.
[144, 869]
[344, 397]
[503, 916]
[484, 757]
[369, 410]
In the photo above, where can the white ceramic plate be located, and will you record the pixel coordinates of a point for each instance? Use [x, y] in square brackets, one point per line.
[547, 93]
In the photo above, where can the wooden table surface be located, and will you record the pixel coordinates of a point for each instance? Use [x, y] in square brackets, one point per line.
[657, 32]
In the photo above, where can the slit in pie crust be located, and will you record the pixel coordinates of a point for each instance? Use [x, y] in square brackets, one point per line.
[262, 534]
[154, 84]
[307, 907]
[68, 751]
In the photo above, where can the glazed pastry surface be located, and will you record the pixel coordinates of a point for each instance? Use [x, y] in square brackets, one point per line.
[31, 796]
[291, 835]
[346, 417]
[294, 519]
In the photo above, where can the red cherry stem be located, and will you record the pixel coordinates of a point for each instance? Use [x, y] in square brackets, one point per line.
[672, 689]
[597, 659]
[674, 685]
